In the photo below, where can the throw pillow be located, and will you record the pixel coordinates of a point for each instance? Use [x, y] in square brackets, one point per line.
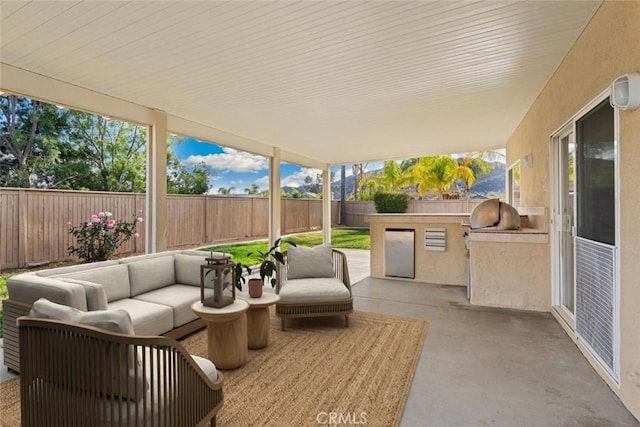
[307, 262]
[95, 293]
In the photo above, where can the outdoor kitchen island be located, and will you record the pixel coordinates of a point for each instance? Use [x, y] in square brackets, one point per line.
[500, 269]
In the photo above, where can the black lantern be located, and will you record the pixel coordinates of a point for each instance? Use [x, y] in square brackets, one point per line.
[217, 274]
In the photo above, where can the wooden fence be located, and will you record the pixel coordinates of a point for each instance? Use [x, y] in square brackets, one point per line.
[34, 224]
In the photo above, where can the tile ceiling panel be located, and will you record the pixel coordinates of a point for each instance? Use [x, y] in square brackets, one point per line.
[333, 81]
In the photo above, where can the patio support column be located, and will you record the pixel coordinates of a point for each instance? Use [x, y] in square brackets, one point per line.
[274, 197]
[156, 202]
[326, 204]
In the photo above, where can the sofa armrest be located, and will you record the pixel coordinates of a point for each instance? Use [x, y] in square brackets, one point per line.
[341, 268]
[27, 288]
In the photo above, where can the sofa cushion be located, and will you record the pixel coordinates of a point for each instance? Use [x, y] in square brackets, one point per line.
[123, 385]
[27, 288]
[188, 268]
[304, 262]
[114, 278]
[314, 290]
[179, 298]
[150, 274]
[95, 293]
[147, 318]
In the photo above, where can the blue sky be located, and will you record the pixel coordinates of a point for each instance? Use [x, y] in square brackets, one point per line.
[239, 169]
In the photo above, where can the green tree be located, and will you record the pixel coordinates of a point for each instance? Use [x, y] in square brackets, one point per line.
[295, 194]
[29, 130]
[390, 178]
[358, 172]
[470, 167]
[253, 190]
[183, 179]
[187, 180]
[114, 150]
[435, 173]
[408, 164]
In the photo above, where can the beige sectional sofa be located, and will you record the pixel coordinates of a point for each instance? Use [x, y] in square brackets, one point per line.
[157, 291]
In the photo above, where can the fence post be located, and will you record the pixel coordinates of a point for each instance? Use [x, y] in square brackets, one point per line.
[205, 221]
[23, 250]
[283, 215]
[252, 209]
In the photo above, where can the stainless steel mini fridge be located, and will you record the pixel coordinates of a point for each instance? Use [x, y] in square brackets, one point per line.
[399, 253]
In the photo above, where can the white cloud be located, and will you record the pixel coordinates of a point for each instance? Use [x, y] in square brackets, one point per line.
[263, 182]
[297, 179]
[231, 160]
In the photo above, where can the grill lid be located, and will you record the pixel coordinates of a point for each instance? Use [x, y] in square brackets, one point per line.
[494, 213]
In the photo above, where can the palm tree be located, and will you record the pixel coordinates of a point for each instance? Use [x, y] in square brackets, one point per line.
[435, 173]
[253, 190]
[390, 178]
[470, 168]
[225, 191]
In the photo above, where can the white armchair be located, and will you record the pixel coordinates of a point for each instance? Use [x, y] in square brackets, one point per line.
[314, 282]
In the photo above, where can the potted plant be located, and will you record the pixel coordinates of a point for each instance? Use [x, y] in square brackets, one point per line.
[239, 278]
[268, 268]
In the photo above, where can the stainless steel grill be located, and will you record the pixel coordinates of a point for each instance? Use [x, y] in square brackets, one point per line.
[495, 214]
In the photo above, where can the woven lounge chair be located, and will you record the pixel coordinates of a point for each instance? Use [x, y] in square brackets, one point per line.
[80, 375]
[322, 289]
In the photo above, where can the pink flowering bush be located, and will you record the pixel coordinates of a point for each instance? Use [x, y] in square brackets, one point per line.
[98, 238]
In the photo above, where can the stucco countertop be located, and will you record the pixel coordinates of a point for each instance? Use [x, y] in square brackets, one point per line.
[525, 235]
[418, 218]
[524, 230]
[409, 214]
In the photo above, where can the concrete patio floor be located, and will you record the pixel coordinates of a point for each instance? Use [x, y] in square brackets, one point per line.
[486, 367]
[492, 367]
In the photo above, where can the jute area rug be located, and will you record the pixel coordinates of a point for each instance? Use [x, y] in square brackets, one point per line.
[315, 372]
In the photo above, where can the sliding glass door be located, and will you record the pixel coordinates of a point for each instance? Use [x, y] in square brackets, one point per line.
[584, 233]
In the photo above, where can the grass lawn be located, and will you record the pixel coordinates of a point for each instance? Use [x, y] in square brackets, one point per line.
[351, 238]
[3, 295]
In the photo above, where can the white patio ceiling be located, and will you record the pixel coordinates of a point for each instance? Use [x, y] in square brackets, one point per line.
[336, 82]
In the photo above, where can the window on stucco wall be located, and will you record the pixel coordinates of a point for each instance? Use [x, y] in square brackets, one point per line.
[513, 177]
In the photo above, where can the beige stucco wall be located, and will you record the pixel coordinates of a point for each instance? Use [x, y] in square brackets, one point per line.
[510, 270]
[608, 48]
[448, 268]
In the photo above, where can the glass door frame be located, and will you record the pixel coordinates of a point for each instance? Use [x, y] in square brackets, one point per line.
[557, 220]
